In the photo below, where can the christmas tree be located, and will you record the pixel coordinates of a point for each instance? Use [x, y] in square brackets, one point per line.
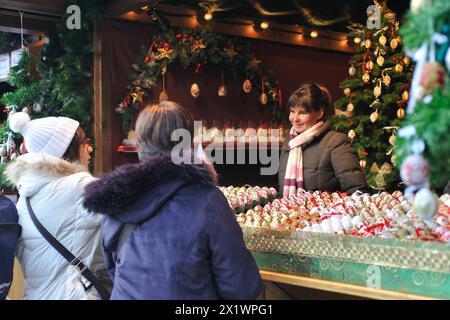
[423, 144]
[376, 93]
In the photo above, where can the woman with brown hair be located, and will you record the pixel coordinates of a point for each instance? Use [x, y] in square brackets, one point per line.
[314, 157]
[169, 231]
[52, 175]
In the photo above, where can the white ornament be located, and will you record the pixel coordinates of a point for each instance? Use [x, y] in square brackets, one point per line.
[352, 71]
[425, 204]
[347, 91]
[37, 107]
[414, 170]
[418, 146]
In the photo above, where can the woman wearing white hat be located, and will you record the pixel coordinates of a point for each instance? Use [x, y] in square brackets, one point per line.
[53, 175]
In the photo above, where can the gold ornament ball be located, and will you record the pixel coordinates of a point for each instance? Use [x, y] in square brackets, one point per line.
[263, 99]
[366, 77]
[377, 91]
[380, 60]
[247, 86]
[405, 96]
[394, 44]
[382, 40]
[195, 90]
[352, 71]
[400, 113]
[398, 67]
[367, 43]
[394, 160]
[347, 91]
[363, 163]
[352, 134]
[222, 91]
[163, 96]
[387, 80]
[393, 140]
[350, 107]
[369, 65]
[374, 116]
[406, 61]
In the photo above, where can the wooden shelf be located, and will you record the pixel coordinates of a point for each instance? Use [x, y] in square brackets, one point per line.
[337, 287]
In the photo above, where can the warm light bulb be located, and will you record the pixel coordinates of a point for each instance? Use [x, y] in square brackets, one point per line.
[314, 34]
[357, 40]
[208, 16]
[264, 25]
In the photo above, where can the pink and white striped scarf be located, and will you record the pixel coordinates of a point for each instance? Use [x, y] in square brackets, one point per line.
[293, 179]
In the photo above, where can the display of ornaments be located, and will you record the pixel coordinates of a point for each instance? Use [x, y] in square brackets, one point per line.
[400, 113]
[414, 170]
[222, 91]
[241, 199]
[380, 60]
[382, 40]
[350, 107]
[374, 116]
[195, 90]
[247, 86]
[347, 91]
[352, 134]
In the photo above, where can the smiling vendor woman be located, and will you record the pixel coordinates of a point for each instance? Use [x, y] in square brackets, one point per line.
[313, 156]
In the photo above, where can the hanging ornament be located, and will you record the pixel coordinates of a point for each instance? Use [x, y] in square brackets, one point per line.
[247, 86]
[367, 43]
[195, 90]
[400, 113]
[350, 107]
[414, 170]
[380, 60]
[406, 60]
[222, 91]
[352, 134]
[347, 91]
[432, 77]
[369, 65]
[394, 44]
[394, 160]
[374, 116]
[398, 67]
[163, 96]
[405, 96]
[37, 107]
[352, 71]
[416, 5]
[377, 89]
[366, 77]
[386, 80]
[263, 96]
[363, 163]
[393, 139]
[425, 204]
[382, 40]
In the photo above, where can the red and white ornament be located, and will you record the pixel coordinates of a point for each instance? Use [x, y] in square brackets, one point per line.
[414, 170]
[432, 77]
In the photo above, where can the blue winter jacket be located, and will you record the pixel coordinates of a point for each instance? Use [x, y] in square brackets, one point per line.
[9, 235]
[186, 243]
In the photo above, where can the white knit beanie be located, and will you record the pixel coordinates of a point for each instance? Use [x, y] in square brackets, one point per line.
[51, 135]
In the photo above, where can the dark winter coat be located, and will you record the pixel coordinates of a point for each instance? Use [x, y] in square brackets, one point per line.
[329, 164]
[187, 243]
[9, 235]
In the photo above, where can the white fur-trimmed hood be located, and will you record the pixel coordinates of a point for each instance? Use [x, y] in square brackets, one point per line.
[32, 171]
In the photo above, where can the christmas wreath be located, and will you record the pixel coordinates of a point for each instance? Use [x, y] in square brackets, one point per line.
[198, 48]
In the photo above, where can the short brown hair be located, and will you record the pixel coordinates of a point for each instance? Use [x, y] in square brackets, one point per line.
[313, 97]
[154, 127]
